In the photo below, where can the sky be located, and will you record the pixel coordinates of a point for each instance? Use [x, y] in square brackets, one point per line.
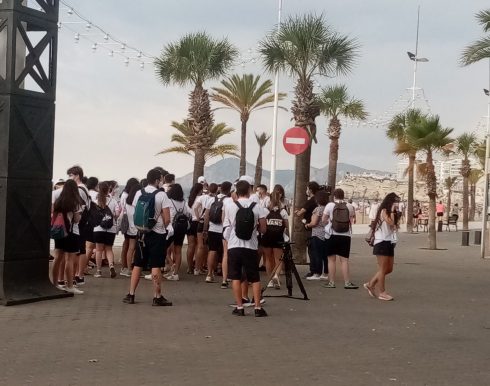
[113, 120]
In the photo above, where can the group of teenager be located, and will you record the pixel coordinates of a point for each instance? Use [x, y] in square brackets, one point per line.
[230, 229]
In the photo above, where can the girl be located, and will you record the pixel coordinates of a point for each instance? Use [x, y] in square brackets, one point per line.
[104, 235]
[385, 238]
[318, 245]
[69, 204]
[196, 191]
[132, 234]
[122, 208]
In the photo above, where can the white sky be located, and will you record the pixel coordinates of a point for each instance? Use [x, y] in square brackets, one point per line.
[113, 119]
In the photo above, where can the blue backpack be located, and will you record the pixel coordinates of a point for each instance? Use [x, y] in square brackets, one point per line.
[144, 212]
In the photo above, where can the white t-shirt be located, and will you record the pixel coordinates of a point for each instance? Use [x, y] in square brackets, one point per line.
[93, 195]
[373, 211]
[218, 228]
[201, 203]
[161, 202]
[132, 231]
[178, 205]
[113, 206]
[385, 233]
[230, 216]
[329, 212]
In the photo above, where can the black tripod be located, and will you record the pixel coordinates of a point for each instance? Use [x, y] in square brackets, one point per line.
[289, 269]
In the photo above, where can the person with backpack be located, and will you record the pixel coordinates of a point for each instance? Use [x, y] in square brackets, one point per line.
[243, 218]
[151, 217]
[180, 216]
[213, 229]
[92, 186]
[66, 214]
[105, 229]
[123, 224]
[202, 203]
[385, 237]
[277, 224]
[338, 216]
[192, 202]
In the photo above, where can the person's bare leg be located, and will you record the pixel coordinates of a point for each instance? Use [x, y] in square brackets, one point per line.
[55, 271]
[268, 257]
[211, 262]
[374, 280]
[177, 258]
[99, 250]
[130, 254]
[332, 267]
[237, 292]
[191, 250]
[156, 277]
[257, 291]
[82, 265]
[61, 270]
[124, 254]
[200, 252]
[109, 254]
[245, 289]
[344, 264]
[70, 269]
[135, 279]
[224, 262]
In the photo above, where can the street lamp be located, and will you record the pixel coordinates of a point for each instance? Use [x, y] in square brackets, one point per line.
[485, 187]
[416, 59]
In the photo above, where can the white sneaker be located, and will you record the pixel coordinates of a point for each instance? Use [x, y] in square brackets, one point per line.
[98, 274]
[124, 272]
[270, 285]
[148, 277]
[173, 277]
[60, 287]
[196, 272]
[168, 274]
[314, 277]
[324, 277]
[74, 290]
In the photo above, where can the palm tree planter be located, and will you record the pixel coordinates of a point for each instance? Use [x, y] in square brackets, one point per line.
[335, 103]
[193, 60]
[262, 140]
[244, 94]
[429, 137]
[304, 47]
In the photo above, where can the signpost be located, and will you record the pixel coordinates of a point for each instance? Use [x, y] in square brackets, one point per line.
[296, 140]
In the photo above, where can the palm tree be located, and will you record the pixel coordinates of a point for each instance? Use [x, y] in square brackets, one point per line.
[335, 103]
[473, 178]
[429, 137]
[448, 184]
[262, 140]
[188, 143]
[465, 146]
[193, 60]
[244, 94]
[304, 47]
[397, 131]
[479, 49]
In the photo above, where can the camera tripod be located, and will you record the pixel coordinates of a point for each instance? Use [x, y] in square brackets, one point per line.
[289, 269]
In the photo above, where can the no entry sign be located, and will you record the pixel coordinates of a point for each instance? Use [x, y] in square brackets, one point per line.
[296, 140]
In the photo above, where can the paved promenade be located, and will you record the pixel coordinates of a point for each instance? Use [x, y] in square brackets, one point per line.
[436, 332]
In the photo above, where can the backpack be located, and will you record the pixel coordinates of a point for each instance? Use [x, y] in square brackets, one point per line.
[59, 230]
[275, 225]
[341, 218]
[124, 223]
[144, 212]
[180, 222]
[216, 210]
[245, 223]
[85, 216]
[107, 221]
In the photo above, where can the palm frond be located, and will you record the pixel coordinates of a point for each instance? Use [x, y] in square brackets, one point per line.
[465, 144]
[262, 139]
[175, 149]
[476, 51]
[483, 18]
[334, 102]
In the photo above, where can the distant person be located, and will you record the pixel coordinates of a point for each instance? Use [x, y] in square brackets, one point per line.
[440, 209]
[373, 210]
[417, 210]
[192, 203]
[168, 181]
[385, 238]
[455, 210]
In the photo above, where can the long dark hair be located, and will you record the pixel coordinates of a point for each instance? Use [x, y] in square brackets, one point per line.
[277, 197]
[69, 199]
[131, 182]
[387, 204]
[195, 191]
[134, 189]
[176, 193]
[103, 193]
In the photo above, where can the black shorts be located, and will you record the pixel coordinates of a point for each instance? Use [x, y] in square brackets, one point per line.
[267, 241]
[193, 228]
[215, 242]
[106, 238]
[339, 245]
[200, 226]
[176, 239]
[130, 237]
[243, 261]
[384, 248]
[151, 251]
[440, 214]
[89, 234]
[70, 244]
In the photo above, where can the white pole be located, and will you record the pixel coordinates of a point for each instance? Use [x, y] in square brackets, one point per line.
[274, 119]
[415, 60]
[485, 188]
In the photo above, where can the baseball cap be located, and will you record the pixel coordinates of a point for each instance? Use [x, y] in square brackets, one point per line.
[201, 180]
[249, 179]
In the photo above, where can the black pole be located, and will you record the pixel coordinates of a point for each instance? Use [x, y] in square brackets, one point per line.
[28, 50]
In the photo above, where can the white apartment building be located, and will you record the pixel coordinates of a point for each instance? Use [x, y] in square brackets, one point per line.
[444, 168]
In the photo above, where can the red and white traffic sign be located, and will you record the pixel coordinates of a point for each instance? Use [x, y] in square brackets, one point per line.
[296, 140]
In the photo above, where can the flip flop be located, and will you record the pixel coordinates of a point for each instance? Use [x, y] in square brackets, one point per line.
[385, 297]
[369, 290]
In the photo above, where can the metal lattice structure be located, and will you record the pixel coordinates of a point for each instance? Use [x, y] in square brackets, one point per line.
[28, 48]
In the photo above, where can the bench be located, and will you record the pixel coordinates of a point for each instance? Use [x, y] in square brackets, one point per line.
[452, 220]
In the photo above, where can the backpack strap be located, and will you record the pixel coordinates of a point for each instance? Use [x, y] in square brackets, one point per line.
[239, 205]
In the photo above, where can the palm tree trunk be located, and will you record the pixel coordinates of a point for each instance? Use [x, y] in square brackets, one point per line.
[473, 202]
[411, 167]
[199, 162]
[465, 203]
[432, 193]
[243, 147]
[332, 163]
[258, 169]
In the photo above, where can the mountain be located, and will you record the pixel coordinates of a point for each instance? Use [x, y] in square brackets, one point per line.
[227, 170]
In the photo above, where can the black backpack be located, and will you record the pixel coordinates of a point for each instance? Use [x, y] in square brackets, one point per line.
[85, 216]
[216, 210]
[107, 219]
[275, 224]
[180, 222]
[245, 223]
[341, 218]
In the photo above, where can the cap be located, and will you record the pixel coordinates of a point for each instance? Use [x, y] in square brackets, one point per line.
[249, 179]
[201, 180]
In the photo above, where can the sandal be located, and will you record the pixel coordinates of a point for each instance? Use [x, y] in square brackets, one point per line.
[370, 290]
[386, 297]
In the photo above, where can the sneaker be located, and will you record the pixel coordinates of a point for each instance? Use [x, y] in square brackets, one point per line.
[369, 289]
[74, 290]
[128, 299]
[148, 277]
[245, 303]
[80, 280]
[330, 284]
[98, 274]
[260, 313]
[124, 272]
[224, 285]
[308, 275]
[238, 311]
[324, 276]
[314, 277]
[210, 279]
[60, 286]
[350, 285]
[113, 272]
[196, 272]
[385, 296]
[262, 301]
[276, 282]
[270, 284]
[161, 301]
[173, 277]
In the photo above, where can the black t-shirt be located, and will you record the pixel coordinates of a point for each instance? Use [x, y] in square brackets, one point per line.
[309, 207]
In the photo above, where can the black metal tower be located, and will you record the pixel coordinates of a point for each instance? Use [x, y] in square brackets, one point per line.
[28, 50]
